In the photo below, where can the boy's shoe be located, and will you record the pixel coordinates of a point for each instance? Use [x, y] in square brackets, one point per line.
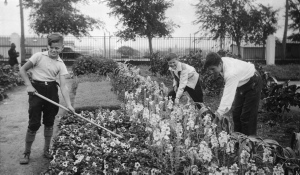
[25, 159]
[48, 155]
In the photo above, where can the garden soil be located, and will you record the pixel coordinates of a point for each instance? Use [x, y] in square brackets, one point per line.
[13, 126]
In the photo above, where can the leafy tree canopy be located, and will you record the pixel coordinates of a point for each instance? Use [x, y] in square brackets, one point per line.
[264, 22]
[233, 18]
[142, 18]
[294, 14]
[61, 16]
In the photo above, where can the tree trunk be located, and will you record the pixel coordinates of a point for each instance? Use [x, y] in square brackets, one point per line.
[285, 28]
[23, 51]
[150, 45]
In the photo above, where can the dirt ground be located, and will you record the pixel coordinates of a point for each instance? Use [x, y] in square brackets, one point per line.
[13, 126]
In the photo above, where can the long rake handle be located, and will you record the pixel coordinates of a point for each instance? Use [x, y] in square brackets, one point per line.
[61, 106]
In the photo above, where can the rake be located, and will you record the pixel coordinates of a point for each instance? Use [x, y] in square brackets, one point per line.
[61, 106]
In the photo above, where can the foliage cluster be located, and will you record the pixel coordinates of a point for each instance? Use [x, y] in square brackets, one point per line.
[142, 18]
[294, 14]
[122, 81]
[88, 64]
[160, 138]
[241, 20]
[8, 79]
[60, 16]
[281, 97]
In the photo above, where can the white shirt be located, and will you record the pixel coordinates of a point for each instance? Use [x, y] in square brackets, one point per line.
[46, 68]
[188, 77]
[236, 73]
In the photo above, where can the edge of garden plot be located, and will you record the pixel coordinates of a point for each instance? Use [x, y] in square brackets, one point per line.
[94, 95]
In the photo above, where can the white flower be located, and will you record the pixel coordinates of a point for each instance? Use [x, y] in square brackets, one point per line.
[94, 164]
[278, 170]
[65, 163]
[244, 157]
[230, 147]
[61, 173]
[75, 169]
[187, 142]
[105, 166]
[204, 152]
[112, 144]
[137, 165]
[214, 141]
[223, 138]
[116, 170]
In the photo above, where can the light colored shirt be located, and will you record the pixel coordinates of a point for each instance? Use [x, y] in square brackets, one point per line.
[236, 73]
[188, 77]
[46, 68]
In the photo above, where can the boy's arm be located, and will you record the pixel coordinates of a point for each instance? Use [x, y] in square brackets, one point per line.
[23, 72]
[65, 92]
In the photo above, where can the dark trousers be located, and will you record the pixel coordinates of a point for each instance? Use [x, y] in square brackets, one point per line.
[245, 106]
[39, 106]
[196, 94]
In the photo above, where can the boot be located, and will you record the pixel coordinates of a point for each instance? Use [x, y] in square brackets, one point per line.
[25, 159]
[48, 132]
[30, 136]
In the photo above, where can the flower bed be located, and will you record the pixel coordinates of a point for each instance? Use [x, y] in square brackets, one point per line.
[160, 138]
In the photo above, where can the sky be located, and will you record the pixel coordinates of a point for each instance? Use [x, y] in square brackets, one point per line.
[182, 14]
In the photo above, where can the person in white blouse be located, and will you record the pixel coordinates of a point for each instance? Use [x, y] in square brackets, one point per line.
[242, 91]
[185, 78]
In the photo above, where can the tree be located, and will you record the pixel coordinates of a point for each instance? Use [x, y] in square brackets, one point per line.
[127, 51]
[285, 28]
[294, 14]
[225, 17]
[264, 21]
[49, 16]
[140, 18]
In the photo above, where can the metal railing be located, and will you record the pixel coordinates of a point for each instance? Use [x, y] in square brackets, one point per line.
[114, 48]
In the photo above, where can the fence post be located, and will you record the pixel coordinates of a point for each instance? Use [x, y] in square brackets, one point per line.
[270, 50]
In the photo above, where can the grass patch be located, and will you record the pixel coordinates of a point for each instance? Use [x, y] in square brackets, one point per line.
[92, 95]
[86, 78]
[284, 72]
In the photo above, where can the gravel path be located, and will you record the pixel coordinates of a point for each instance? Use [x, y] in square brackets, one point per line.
[13, 126]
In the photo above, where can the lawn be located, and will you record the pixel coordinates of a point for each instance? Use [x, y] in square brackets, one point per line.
[270, 125]
[284, 72]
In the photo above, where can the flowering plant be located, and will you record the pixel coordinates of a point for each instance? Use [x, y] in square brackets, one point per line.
[158, 137]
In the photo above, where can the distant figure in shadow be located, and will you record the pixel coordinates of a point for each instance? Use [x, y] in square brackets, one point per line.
[13, 54]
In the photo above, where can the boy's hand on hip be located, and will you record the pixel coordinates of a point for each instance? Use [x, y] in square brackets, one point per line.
[30, 89]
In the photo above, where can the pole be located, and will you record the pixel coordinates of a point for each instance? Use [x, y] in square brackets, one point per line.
[194, 43]
[61, 106]
[23, 51]
[109, 45]
[104, 45]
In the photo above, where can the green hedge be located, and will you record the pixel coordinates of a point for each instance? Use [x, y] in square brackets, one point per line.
[86, 65]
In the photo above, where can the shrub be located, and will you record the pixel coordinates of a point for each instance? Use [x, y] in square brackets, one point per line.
[88, 64]
[8, 79]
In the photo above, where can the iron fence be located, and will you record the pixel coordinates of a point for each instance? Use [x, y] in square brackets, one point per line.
[114, 48]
